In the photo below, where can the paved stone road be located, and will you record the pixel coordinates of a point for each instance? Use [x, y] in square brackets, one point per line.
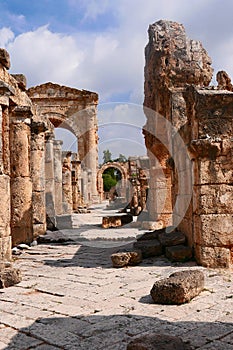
[71, 298]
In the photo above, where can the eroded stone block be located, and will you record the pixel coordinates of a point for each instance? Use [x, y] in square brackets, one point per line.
[178, 288]
[122, 259]
[9, 276]
[116, 221]
[5, 58]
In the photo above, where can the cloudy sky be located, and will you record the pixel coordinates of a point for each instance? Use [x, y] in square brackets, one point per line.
[99, 45]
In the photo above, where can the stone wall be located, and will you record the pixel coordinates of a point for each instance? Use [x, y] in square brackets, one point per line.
[15, 181]
[35, 179]
[188, 135]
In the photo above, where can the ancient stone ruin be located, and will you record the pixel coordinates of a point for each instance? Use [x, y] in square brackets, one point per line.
[36, 177]
[189, 137]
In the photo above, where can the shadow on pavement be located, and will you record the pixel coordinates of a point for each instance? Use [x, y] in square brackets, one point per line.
[115, 332]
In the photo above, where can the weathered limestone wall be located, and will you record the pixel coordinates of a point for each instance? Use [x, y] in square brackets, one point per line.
[212, 151]
[15, 180]
[189, 139]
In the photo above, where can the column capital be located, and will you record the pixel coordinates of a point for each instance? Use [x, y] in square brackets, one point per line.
[21, 114]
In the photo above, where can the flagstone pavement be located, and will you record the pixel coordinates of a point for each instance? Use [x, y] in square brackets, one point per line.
[72, 298]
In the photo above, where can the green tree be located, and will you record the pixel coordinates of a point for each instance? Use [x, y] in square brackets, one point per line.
[107, 157]
[122, 158]
[109, 182]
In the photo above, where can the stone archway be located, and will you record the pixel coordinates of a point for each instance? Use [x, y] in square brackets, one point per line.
[76, 111]
[121, 167]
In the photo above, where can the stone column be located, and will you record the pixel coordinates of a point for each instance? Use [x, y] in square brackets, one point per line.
[38, 178]
[67, 200]
[21, 184]
[49, 176]
[75, 183]
[88, 149]
[84, 186]
[5, 237]
[58, 176]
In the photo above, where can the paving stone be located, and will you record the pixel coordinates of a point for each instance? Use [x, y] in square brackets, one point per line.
[179, 253]
[149, 248]
[158, 342]
[109, 306]
[180, 287]
[53, 237]
[217, 345]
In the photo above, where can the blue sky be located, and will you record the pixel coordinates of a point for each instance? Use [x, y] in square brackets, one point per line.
[99, 45]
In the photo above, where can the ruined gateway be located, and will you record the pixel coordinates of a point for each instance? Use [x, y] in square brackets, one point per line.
[191, 174]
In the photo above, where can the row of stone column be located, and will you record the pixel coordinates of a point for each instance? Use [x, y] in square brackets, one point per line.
[65, 188]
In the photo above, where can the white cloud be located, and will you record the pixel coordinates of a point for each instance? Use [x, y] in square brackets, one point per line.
[6, 35]
[45, 56]
[111, 61]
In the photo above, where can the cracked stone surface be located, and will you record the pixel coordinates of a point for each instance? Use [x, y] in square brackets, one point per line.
[72, 298]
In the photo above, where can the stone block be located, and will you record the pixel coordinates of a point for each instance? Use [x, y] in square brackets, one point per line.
[122, 259]
[9, 276]
[213, 256]
[158, 342]
[5, 58]
[214, 230]
[168, 239]
[178, 288]
[152, 225]
[149, 248]
[213, 172]
[179, 253]
[21, 80]
[213, 199]
[116, 221]
[20, 149]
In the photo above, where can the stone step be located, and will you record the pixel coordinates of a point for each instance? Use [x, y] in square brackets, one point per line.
[179, 253]
[149, 248]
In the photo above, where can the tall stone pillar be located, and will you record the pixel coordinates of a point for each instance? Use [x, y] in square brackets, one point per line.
[88, 149]
[5, 237]
[21, 184]
[67, 200]
[38, 178]
[58, 176]
[75, 183]
[49, 176]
